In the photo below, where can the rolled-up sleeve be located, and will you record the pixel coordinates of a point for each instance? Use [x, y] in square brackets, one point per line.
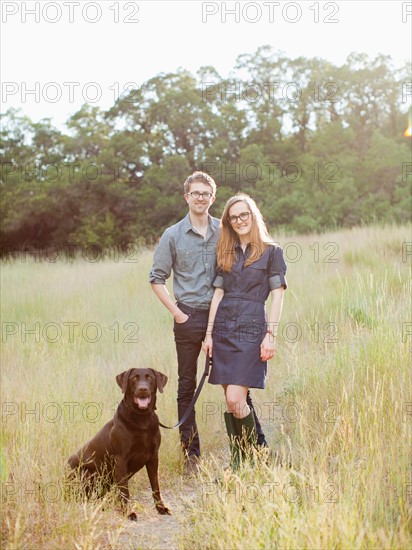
[163, 260]
[277, 269]
[219, 281]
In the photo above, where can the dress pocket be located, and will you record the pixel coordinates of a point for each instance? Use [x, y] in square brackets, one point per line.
[258, 270]
[251, 328]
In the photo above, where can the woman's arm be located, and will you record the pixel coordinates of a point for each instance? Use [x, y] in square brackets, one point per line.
[267, 347]
[208, 342]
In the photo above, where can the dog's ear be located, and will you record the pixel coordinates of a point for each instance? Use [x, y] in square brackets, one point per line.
[161, 380]
[122, 379]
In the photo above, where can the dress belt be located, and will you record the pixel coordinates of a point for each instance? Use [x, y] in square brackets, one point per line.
[238, 296]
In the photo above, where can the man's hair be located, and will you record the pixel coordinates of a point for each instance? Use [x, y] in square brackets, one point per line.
[201, 177]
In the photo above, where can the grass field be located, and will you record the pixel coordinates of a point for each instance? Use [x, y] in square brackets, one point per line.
[338, 404]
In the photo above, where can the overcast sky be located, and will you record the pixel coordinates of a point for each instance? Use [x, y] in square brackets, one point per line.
[68, 52]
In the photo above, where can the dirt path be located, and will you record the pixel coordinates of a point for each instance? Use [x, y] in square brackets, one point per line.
[154, 531]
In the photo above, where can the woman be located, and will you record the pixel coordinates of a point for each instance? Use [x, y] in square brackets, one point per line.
[240, 335]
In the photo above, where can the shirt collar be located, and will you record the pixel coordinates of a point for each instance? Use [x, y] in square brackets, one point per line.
[187, 225]
[238, 245]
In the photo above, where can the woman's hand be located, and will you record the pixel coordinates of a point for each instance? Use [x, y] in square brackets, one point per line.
[267, 347]
[207, 345]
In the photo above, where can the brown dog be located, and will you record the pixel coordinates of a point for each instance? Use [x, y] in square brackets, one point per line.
[129, 441]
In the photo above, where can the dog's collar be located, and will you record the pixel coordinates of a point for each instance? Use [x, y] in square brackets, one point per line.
[130, 415]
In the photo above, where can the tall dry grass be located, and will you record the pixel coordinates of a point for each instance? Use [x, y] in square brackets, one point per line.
[337, 406]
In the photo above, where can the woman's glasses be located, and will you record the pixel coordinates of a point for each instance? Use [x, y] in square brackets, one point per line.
[243, 217]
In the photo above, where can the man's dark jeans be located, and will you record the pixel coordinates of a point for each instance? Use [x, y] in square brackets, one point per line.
[188, 338]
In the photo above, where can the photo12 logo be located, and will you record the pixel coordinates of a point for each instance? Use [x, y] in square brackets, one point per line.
[290, 172]
[68, 252]
[271, 491]
[406, 12]
[69, 12]
[273, 92]
[69, 332]
[69, 92]
[53, 411]
[270, 12]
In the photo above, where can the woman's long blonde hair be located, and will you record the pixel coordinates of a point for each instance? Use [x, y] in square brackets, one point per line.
[259, 236]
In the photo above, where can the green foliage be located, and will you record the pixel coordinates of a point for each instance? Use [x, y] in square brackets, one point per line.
[318, 146]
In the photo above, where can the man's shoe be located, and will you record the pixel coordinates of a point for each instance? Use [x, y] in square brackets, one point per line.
[191, 466]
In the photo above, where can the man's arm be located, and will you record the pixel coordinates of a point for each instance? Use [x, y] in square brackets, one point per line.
[163, 294]
[163, 260]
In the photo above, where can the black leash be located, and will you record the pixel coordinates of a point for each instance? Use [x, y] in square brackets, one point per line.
[194, 399]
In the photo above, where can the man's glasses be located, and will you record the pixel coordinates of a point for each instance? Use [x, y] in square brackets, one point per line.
[243, 217]
[197, 195]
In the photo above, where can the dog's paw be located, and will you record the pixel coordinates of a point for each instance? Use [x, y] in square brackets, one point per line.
[132, 516]
[161, 508]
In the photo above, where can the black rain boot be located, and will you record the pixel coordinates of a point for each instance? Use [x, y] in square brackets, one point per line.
[261, 439]
[234, 441]
[246, 430]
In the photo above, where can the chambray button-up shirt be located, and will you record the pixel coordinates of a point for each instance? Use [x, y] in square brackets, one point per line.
[193, 260]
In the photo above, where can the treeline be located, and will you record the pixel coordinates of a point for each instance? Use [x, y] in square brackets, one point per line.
[318, 146]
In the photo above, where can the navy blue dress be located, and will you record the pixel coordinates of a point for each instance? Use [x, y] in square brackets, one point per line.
[240, 323]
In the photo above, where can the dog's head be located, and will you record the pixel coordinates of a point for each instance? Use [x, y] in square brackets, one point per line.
[140, 386]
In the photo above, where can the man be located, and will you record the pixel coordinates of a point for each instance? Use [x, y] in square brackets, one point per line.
[188, 248]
